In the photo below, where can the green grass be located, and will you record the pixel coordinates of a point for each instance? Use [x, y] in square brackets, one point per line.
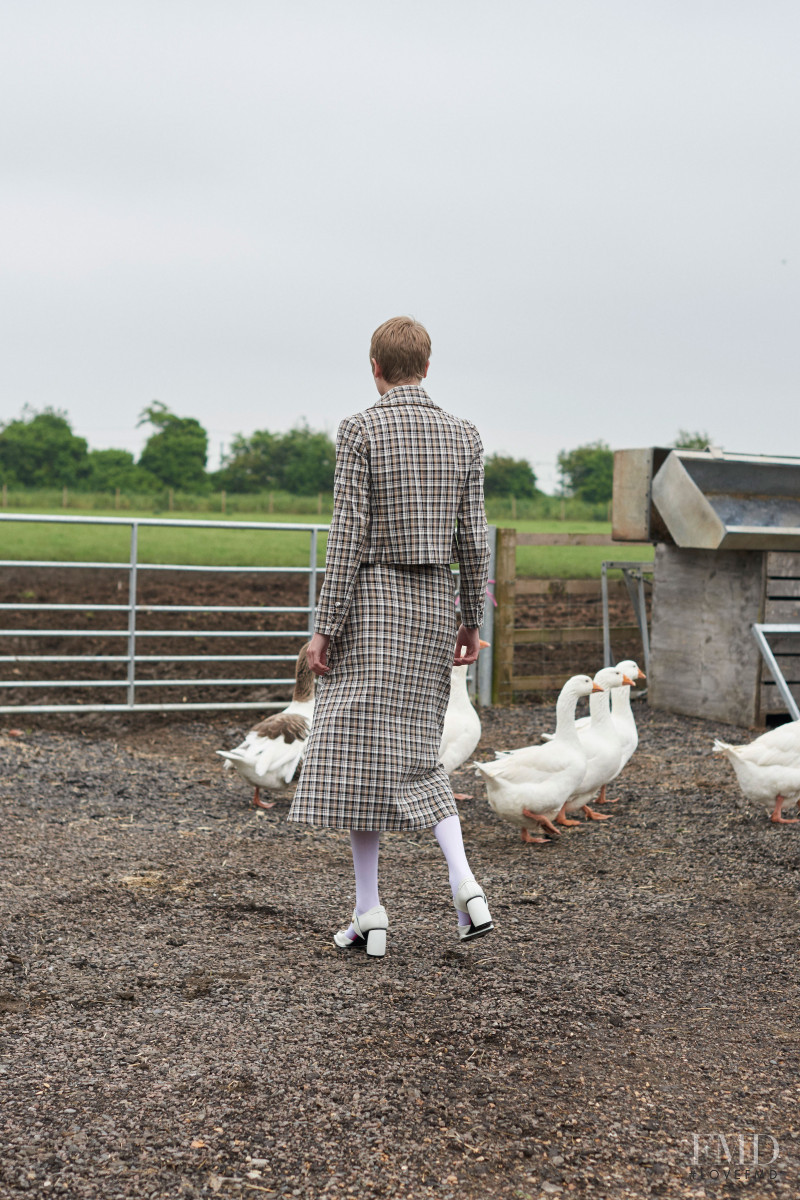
[233, 547]
[571, 562]
[196, 547]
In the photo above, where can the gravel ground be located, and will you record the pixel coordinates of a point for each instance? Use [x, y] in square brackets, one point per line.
[176, 1021]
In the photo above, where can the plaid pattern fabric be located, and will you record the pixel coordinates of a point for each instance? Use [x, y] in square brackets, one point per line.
[371, 761]
[408, 489]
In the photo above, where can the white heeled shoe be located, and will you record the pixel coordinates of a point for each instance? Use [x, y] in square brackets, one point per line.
[470, 899]
[370, 930]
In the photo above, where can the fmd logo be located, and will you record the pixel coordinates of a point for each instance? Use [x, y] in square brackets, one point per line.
[729, 1157]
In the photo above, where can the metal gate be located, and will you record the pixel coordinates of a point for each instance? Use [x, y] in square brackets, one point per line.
[131, 635]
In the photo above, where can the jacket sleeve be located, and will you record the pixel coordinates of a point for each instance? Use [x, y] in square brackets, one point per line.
[349, 527]
[472, 541]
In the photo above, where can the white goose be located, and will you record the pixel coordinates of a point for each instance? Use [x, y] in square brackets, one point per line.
[461, 731]
[528, 787]
[623, 718]
[272, 751]
[768, 769]
[602, 746]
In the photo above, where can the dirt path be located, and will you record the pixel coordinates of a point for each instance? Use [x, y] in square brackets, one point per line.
[176, 1021]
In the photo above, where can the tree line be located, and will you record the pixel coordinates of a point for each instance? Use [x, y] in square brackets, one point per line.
[40, 450]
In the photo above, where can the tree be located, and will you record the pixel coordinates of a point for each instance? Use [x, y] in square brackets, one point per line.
[588, 472]
[691, 441]
[505, 476]
[176, 454]
[40, 450]
[110, 469]
[299, 461]
[306, 461]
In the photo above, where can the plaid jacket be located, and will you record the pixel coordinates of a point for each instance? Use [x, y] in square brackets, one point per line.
[408, 489]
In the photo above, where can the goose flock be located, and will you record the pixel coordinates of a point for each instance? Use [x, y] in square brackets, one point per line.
[541, 787]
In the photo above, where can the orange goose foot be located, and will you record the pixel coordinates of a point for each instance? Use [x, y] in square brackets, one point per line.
[527, 836]
[595, 816]
[540, 820]
[603, 798]
[259, 803]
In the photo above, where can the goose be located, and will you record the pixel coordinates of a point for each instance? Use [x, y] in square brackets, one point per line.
[272, 751]
[528, 787]
[461, 731]
[602, 746]
[623, 718]
[768, 769]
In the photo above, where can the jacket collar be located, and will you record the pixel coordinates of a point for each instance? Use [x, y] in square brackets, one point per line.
[406, 393]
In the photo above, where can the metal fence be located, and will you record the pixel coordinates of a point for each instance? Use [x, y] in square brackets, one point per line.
[132, 635]
[129, 658]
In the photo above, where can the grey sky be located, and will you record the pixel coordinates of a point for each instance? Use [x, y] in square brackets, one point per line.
[592, 205]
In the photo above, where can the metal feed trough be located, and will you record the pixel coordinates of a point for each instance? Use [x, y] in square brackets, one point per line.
[725, 637]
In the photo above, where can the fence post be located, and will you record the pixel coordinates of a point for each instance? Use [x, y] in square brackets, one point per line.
[132, 571]
[63, 497]
[505, 594]
[224, 498]
[5, 495]
[485, 660]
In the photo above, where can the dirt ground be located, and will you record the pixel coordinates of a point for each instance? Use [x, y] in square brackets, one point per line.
[176, 1021]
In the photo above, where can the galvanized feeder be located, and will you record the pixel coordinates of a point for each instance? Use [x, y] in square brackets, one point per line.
[725, 637]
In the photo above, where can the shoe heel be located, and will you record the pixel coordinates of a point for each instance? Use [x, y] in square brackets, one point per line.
[376, 943]
[479, 913]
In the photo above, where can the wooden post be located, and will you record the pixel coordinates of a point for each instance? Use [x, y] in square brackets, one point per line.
[171, 500]
[63, 497]
[223, 502]
[505, 594]
[116, 498]
[5, 495]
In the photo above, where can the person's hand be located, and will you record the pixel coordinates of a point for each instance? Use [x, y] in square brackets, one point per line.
[317, 654]
[468, 646]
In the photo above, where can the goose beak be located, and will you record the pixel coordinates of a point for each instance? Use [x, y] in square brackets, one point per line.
[596, 687]
[641, 674]
[484, 645]
[627, 681]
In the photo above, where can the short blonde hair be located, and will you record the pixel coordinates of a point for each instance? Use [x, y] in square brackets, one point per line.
[402, 349]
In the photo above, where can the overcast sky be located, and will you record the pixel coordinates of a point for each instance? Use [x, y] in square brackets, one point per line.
[591, 204]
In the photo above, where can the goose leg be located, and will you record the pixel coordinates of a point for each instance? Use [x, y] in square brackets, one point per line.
[527, 836]
[603, 798]
[259, 803]
[778, 817]
[595, 816]
[543, 821]
[563, 819]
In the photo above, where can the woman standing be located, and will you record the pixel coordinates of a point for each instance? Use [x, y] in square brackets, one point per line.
[408, 501]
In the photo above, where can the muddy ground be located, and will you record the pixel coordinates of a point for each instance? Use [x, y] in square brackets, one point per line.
[177, 1023]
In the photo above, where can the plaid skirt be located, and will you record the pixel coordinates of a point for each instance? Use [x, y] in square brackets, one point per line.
[371, 760]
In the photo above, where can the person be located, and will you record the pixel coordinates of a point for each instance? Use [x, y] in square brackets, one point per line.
[408, 501]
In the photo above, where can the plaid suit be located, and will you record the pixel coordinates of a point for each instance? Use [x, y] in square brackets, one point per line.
[408, 501]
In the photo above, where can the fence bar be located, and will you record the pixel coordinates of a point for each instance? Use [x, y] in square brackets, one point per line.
[759, 633]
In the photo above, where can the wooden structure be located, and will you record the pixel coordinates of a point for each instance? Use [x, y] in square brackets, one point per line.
[727, 558]
[506, 635]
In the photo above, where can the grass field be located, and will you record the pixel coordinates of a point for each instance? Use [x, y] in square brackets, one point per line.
[223, 546]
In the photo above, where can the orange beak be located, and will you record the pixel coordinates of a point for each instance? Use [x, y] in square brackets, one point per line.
[628, 681]
[484, 645]
[596, 688]
[642, 674]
